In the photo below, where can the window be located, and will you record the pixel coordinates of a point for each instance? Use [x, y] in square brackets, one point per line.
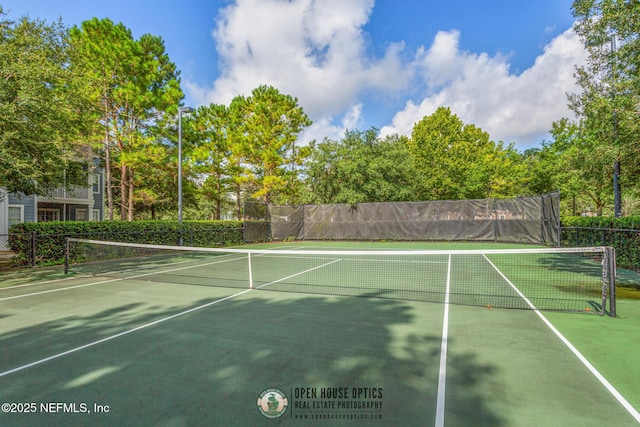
[95, 182]
[16, 214]
[81, 215]
[46, 215]
[95, 215]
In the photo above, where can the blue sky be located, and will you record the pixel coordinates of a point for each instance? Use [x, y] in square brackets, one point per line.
[502, 65]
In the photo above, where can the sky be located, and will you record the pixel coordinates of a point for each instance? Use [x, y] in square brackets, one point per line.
[505, 66]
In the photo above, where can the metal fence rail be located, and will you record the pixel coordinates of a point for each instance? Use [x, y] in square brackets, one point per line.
[41, 249]
[6, 255]
[625, 241]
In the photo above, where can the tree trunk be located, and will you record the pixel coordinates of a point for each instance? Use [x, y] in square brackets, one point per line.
[238, 204]
[130, 198]
[107, 173]
[123, 192]
[107, 161]
[219, 197]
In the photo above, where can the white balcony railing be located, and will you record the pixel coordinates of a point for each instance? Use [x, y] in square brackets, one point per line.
[75, 192]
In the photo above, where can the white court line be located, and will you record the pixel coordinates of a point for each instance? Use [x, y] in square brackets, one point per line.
[632, 411]
[44, 282]
[376, 260]
[146, 325]
[442, 375]
[109, 338]
[297, 274]
[398, 261]
[118, 279]
[59, 289]
[289, 247]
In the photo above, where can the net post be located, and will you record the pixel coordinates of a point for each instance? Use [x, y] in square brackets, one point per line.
[558, 221]
[250, 272]
[611, 266]
[32, 252]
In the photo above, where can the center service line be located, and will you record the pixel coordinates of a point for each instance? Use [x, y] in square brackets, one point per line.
[442, 376]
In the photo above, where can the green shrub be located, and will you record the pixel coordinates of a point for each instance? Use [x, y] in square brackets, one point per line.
[621, 233]
[623, 223]
[43, 243]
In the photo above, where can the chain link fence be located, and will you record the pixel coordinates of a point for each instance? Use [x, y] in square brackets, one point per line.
[625, 241]
[33, 249]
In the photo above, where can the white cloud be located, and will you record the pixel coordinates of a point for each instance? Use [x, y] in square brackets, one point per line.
[481, 90]
[316, 50]
[324, 128]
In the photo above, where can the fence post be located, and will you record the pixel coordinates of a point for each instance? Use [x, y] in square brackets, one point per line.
[494, 207]
[66, 255]
[543, 219]
[32, 249]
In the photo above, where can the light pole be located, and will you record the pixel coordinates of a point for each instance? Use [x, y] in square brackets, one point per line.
[617, 192]
[181, 110]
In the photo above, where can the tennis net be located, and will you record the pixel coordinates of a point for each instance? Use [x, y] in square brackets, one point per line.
[562, 279]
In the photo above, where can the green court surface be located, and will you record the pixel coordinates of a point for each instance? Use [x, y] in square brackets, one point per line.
[161, 349]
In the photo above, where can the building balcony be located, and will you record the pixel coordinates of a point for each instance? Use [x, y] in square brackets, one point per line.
[75, 194]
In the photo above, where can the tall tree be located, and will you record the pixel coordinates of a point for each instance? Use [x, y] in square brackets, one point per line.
[360, 168]
[212, 154]
[610, 81]
[156, 186]
[133, 81]
[575, 162]
[104, 51]
[582, 165]
[269, 123]
[458, 161]
[42, 114]
[540, 165]
[151, 85]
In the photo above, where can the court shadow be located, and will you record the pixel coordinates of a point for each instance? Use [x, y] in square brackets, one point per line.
[210, 366]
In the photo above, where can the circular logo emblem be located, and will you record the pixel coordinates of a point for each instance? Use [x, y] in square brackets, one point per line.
[272, 403]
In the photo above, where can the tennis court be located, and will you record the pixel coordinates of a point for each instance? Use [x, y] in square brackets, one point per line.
[351, 338]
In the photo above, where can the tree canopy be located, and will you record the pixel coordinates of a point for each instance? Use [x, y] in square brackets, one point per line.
[267, 126]
[608, 104]
[458, 161]
[133, 81]
[42, 110]
[67, 95]
[359, 168]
